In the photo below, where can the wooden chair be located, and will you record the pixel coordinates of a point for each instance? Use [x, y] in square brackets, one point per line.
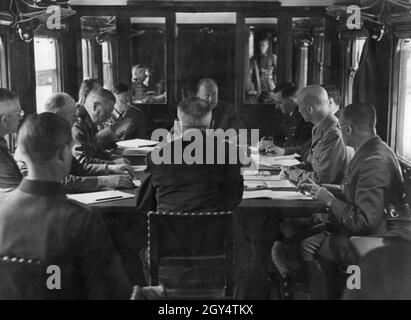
[191, 254]
[22, 279]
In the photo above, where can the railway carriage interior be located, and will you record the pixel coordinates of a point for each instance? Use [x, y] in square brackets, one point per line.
[316, 95]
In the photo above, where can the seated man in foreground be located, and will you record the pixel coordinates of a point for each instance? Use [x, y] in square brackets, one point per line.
[373, 182]
[37, 221]
[207, 184]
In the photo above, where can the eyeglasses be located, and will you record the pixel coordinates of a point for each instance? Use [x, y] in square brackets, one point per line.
[19, 113]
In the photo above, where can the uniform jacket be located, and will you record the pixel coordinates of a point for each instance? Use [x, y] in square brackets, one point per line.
[297, 132]
[38, 222]
[373, 180]
[225, 116]
[326, 160]
[190, 187]
[85, 147]
[10, 175]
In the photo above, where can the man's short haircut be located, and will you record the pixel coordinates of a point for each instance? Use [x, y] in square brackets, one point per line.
[85, 88]
[7, 95]
[287, 89]
[360, 115]
[56, 102]
[264, 39]
[101, 94]
[138, 66]
[194, 111]
[333, 93]
[41, 136]
[206, 81]
[120, 88]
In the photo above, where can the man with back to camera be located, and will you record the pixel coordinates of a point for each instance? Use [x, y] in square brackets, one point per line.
[10, 115]
[90, 176]
[373, 183]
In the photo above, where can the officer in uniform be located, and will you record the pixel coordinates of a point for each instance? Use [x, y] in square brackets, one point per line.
[10, 114]
[139, 86]
[97, 108]
[373, 183]
[296, 131]
[326, 161]
[262, 71]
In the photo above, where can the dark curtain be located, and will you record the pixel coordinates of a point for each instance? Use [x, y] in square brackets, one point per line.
[371, 82]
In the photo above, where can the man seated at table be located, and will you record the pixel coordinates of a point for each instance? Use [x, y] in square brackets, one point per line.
[98, 106]
[189, 187]
[90, 176]
[326, 161]
[335, 98]
[126, 122]
[10, 115]
[38, 222]
[296, 131]
[373, 183]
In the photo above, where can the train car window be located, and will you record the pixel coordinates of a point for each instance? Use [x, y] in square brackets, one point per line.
[206, 49]
[148, 59]
[261, 59]
[403, 136]
[107, 53]
[3, 64]
[46, 66]
[308, 50]
[97, 33]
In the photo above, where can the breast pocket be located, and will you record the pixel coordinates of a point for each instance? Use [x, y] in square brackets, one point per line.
[350, 183]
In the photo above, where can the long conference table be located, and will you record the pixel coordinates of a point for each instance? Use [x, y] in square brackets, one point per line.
[257, 227]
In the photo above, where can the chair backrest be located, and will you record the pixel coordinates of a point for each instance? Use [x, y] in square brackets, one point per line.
[22, 279]
[191, 251]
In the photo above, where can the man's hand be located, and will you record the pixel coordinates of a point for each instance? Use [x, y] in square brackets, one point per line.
[264, 144]
[120, 160]
[292, 173]
[116, 182]
[319, 193]
[274, 150]
[121, 169]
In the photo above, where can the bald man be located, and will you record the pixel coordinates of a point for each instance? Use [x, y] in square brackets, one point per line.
[373, 184]
[326, 161]
[225, 116]
[10, 115]
[97, 108]
[90, 176]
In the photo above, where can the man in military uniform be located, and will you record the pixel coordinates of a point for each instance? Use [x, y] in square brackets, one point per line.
[10, 114]
[372, 183]
[127, 121]
[335, 98]
[38, 222]
[91, 176]
[97, 108]
[139, 86]
[296, 131]
[262, 71]
[327, 157]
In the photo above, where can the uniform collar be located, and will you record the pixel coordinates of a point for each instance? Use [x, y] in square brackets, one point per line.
[84, 116]
[41, 188]
[365, 149]
[323, 126]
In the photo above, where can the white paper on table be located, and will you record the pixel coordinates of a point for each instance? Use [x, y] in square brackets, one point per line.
[100, 196]
[263, 178]
[274, 161]
[255, 184]
[136, 143]
[277, 195]
[255, 173]
[280, 184]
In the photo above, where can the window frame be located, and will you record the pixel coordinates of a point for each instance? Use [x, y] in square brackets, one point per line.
[4, 78]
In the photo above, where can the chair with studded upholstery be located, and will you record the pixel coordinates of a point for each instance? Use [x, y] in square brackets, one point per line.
[191, 254]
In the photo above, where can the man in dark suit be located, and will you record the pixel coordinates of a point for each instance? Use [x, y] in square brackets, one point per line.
[38, 222]
[224, 115]
[10, 114]
[202, 186]
[86, 177]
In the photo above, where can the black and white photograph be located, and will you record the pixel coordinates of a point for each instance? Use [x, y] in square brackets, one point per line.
[203, 156]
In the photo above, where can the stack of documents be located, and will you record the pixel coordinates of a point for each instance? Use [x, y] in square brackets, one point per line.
[275, 161]
[269, 184]
[100, 196]
[136, 147]
[277, 195]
